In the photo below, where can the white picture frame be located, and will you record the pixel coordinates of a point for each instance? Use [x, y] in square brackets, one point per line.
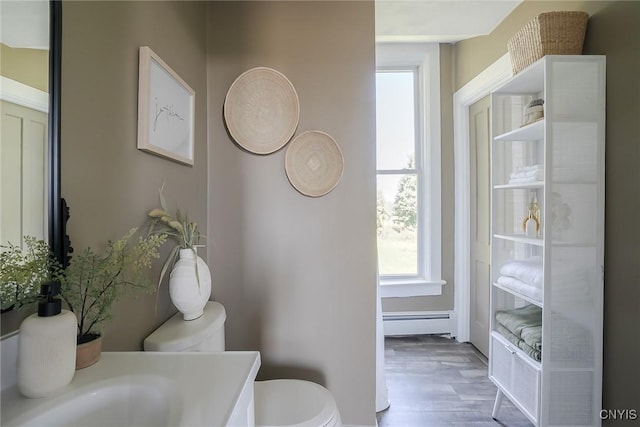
[166, 106]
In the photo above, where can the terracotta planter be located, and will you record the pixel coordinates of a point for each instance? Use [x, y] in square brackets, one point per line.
[88, 353]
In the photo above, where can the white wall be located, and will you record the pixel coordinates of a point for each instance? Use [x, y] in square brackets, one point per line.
[297, 274]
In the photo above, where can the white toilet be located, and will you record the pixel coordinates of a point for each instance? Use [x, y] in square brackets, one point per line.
[278, 403]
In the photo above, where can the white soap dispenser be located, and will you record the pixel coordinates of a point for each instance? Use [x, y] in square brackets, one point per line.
[47, 346]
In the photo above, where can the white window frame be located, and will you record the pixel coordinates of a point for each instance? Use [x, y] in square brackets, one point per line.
[425, 58]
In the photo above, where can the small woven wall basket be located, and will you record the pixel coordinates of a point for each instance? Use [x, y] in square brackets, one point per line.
[551, 33]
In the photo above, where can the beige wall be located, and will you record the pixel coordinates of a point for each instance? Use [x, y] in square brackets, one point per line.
[28, 66]
[109, 184]
[613, 30]
[297, 274]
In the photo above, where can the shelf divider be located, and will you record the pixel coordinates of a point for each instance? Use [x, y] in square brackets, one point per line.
[531, 132]
[519, 238]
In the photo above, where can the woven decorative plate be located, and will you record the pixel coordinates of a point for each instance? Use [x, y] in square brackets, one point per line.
[262, 110]
[314, 163]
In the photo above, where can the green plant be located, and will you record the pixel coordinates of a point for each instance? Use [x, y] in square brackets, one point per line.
[179, 228]
[405, 204]
[23, 271]
[93, 282]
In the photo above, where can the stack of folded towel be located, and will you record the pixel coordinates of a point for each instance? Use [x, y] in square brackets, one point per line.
[527, 174]
[523, 328]
[523, 276]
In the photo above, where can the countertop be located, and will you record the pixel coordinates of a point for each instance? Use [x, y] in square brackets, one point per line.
[209, 385]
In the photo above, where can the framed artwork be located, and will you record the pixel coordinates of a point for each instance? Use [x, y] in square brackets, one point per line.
[166, 105]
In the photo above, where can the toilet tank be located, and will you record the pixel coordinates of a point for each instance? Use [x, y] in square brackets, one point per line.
[206, 333]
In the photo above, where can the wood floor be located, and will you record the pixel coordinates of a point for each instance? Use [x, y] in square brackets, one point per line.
[434, 381]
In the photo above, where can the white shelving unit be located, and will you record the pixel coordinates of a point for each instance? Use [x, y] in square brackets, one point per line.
[559, 381]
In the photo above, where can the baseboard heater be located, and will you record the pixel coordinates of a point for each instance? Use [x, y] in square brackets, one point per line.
[417, 323]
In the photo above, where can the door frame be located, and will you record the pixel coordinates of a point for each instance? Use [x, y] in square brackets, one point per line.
[480, 86]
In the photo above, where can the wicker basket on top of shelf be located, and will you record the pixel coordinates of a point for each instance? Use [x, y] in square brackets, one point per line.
[550, 33]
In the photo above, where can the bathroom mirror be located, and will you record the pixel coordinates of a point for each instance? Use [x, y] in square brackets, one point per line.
[30, 191]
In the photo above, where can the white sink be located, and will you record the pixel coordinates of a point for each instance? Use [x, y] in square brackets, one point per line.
[131, 400]
[145, 390]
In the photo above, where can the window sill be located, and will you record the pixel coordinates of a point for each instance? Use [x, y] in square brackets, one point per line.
[392, 288]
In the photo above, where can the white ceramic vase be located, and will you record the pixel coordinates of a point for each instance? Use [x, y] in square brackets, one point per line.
[186, 293]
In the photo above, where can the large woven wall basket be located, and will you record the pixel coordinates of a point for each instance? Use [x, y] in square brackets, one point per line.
[550, 33]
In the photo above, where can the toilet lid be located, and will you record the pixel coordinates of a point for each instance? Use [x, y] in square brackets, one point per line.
[293, 403]
[177, 334]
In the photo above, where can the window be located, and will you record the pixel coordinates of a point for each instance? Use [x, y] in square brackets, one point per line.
[398, 175]
[408, 169]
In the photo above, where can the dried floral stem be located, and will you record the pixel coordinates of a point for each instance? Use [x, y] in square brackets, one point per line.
[179, 228]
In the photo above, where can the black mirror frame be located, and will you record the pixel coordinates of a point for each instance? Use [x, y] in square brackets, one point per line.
[56, 208]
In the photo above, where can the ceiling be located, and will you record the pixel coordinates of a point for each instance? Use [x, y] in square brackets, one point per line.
[441, 21]
[25, 23]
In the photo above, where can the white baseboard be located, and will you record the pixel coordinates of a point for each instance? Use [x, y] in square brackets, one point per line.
[418, 323]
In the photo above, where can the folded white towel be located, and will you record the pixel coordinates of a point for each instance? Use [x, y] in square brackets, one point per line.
[527, 173]
[532, 167]
[528, 270]
[525, 180]
[521, 287]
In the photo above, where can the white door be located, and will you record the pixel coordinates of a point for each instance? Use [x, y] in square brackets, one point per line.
[23, 173]
[479, 140]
